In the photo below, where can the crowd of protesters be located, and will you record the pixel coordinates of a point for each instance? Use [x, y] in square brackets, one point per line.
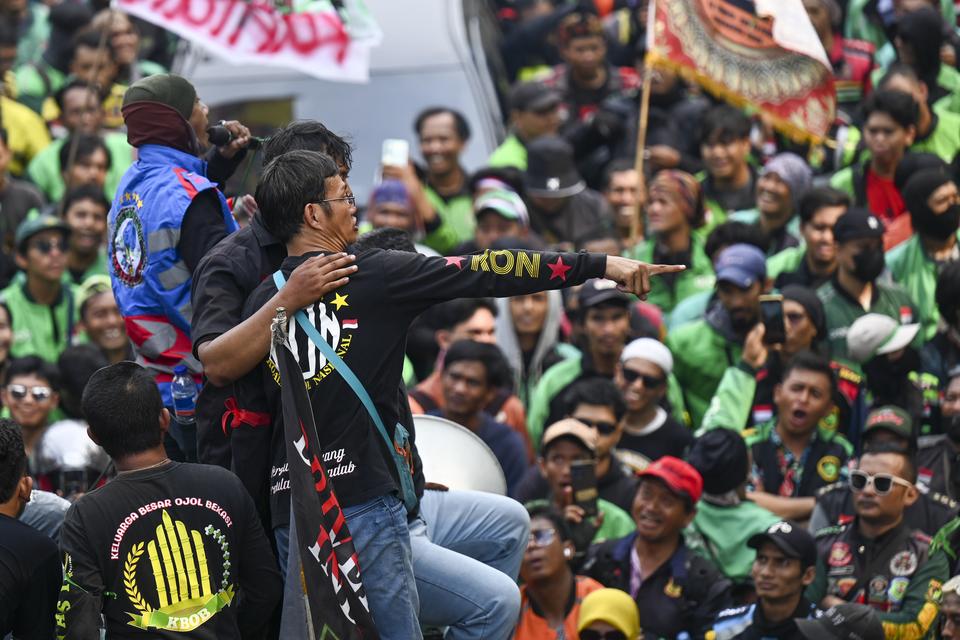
[735, 415]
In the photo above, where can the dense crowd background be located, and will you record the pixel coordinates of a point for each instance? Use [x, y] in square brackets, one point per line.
[744, 479]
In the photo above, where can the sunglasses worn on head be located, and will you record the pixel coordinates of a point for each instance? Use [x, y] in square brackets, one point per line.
[650, 382]
[45, 247]
[541, 537]
[882, 482]
[19, 392]
[590, 634]
[602, 427]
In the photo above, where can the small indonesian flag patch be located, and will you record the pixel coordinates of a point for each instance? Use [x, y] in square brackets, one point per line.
[350, 323]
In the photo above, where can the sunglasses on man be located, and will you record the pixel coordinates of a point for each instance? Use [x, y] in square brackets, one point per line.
[20, 391]
[46, 247]
[650, 382]
[882, 482]
[603, 427]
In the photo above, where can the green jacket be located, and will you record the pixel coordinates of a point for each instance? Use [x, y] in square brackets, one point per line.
[552, 382]
[852, 181]
[44, 169]
[730, 406]
[510, 153]
[861, 27]
[698, 277]
[38, 329]
[913, 270]
[841, 311]
[787, 261]
[689, 310]
[30, 45]
[720, 534]
[700, 357]
[37, 81]
[617, 523]
[457, 221]
[944, 140]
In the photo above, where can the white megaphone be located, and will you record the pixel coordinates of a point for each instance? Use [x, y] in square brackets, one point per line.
[456, 457]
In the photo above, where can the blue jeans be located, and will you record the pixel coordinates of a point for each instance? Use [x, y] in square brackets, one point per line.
[467, 548]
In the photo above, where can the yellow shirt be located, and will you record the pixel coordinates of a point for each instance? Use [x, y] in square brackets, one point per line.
[26, 133]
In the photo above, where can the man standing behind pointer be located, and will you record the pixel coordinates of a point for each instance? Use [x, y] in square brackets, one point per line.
[308, 206]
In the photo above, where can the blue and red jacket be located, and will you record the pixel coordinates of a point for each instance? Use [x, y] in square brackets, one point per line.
[150, 280]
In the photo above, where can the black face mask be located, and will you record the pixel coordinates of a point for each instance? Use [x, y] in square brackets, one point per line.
[951, 427]
[939, 227]
[868, 265]
[887, 379]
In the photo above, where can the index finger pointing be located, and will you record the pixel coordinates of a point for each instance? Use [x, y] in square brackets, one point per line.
[656, 269]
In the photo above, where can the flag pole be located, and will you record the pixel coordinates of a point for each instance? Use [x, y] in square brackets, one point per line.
[636, 226]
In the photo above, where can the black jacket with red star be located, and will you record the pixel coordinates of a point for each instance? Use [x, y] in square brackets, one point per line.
[366, 321]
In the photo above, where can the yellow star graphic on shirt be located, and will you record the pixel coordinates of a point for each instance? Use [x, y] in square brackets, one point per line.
[340, 301]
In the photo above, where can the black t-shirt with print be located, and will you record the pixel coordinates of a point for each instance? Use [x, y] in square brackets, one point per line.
[175, 551]
[366, 321]
[30, 579]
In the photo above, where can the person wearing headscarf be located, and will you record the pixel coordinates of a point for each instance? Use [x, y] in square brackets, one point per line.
[167, 214]
[933, 200]
[745, 395]
[780, 185]
[675, 207]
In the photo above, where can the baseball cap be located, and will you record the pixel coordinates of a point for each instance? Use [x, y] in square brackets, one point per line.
[506, 204]
[857, 223]
[533, 96]
[891, 418]
[844, 622]
[875, 334]
[613, 606]
[678, 475]
[570, 428]
[720, 457]
[742, 265]
[598, 290]
[32, 226]
[792, 540]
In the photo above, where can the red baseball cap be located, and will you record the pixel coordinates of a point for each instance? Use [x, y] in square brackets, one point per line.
[679, 476]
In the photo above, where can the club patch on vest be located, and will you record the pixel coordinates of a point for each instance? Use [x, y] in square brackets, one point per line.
[127, 247]
[829, 468]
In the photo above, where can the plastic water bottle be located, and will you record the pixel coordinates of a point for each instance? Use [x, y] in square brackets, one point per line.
[184, 391]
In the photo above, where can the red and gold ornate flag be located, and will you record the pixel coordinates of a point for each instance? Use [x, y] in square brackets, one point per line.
[759, 54]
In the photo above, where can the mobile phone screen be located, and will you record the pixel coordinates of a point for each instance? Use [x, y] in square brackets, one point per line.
[583, 478]
[771, 312]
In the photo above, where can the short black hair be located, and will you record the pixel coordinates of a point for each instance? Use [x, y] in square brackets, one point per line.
[725, 123]
[948, 293]
[92, 38]
[85, 192]
[13, 458]
[288, 184]
[548, 512]
[308, 135]
[387, 238]
[33, 366]
[809, 361]
[732, 232]
[450, 314]
[489, 355]
[77, 364]
[818, 198]
[75, 83]
[460, 122]
[901, 107]
[511, 176]
[122, 405]
[899, 69]
[87, 145]
[619, 165]
[909, 460]
[595, 391]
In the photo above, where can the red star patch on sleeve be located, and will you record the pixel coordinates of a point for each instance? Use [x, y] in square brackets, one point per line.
[559, 269]
[457, 260]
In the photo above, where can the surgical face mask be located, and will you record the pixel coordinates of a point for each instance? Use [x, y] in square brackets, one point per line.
[868, 265]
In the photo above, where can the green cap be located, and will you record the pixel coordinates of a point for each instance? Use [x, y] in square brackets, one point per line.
[891, 418]
[504, 202]
[166, 88]
[34, 225]
[93, 286]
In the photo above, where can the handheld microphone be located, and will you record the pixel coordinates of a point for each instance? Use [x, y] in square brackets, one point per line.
[220, 136]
